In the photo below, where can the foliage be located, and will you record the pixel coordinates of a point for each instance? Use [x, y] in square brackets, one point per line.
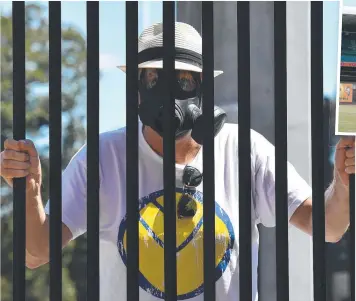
[37, 120]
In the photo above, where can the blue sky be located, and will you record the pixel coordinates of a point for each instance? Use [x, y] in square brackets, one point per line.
[112, 49]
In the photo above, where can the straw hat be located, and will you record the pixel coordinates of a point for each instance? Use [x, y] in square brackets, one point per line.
[188, 45]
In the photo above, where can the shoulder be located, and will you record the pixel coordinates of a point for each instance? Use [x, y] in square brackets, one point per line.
[230, 134]
[112, 139]
[110, 143]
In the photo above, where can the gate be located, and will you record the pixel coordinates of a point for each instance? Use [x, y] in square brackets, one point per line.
[243, 62]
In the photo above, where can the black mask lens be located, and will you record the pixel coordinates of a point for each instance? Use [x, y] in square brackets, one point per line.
[187, 80]
[149, 77]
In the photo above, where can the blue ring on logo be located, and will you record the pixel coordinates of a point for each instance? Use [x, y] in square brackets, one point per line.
[220, 268]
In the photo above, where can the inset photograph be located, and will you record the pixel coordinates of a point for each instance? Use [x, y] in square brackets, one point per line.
[346, 100]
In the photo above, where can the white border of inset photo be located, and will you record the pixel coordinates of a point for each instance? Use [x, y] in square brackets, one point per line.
[342, 10]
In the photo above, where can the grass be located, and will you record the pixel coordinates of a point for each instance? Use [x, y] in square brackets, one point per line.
[347, 118]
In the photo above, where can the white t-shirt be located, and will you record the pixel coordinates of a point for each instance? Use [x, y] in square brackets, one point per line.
[189, 233]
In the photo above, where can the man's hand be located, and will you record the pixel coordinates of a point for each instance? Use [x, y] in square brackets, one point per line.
[20, 159]
[344, 161]
[337, 211]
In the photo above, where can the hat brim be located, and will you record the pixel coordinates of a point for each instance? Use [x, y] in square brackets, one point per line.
[178, 66]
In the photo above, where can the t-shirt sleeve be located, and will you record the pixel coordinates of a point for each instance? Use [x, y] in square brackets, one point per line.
[298, 189]
[74, 194]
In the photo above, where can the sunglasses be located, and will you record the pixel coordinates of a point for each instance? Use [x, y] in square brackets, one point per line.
[187, 206]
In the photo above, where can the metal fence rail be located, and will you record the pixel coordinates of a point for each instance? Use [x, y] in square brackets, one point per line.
[132, 167]
[93, 204]
[55, 152]
[244, 119]
[281, 138]
[132, 184]
[208, 151]
[170, 263]
[19, 113]
[317, 94]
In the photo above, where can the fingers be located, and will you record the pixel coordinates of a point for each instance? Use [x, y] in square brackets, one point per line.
[10, 173]
[11, 164]
[25, 145]
[345, 149]
[9, 154]
[29, 147]
[19, 159]
[350, 153]
[346, 142]
[350, 161]
[12, 144]
[350, 169]
[14, 168]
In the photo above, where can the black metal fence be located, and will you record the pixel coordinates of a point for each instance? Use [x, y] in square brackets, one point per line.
[93, 207]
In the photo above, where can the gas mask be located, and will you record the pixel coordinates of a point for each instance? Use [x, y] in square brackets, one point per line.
[188, 100]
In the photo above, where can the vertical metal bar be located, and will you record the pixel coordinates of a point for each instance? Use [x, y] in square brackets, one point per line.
[352, 237]
[55, 144]
[93, 205]
[208, 151]
[281, 136]
[19, 128]
[317, 96]
[132, 185]
[244, 120]
[170, 264]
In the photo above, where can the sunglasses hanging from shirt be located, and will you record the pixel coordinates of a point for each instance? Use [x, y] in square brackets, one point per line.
[188, 104]
[187, 206]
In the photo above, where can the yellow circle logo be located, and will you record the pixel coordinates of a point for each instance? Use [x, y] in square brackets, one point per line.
[189, 248]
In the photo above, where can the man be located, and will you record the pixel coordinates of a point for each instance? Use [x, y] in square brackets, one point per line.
[20, 159]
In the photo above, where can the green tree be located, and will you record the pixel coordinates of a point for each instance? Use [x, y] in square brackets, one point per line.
[37, 103]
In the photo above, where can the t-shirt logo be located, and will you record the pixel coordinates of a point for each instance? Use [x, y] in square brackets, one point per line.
[189, 246]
